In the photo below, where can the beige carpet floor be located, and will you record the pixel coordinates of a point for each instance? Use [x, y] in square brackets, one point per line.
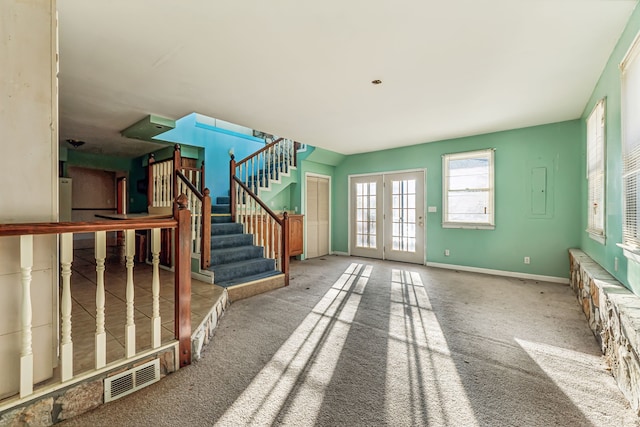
[360, 342]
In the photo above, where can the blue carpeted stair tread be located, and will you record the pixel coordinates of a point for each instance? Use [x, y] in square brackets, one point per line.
[235, 254]
[234, 257]
[245, 268]
[226, 228]
[247, 279]
[220, 209]
[230, 240]
[220, 219]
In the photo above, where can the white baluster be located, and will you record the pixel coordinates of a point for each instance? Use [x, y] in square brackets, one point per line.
[130, 327]
[262, 230]
[254, 220]
[66, 351]
[101, 336]
[155, 288]
[154, 201]
[245, 210]
[276, 238]
[290, 150]
[261, 170]
[26, 351]
[169, 185]
[199, 219]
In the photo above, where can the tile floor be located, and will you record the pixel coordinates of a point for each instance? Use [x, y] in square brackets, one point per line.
[83, 294]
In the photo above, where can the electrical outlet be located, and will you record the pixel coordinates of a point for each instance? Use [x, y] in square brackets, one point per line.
[446, 252]
[527, 260]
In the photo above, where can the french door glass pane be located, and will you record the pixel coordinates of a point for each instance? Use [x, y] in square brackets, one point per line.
[366, 215]
[403, 209]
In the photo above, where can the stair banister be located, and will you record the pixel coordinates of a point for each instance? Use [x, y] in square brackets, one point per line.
[282, 222]
[205, 200]
[65, 230]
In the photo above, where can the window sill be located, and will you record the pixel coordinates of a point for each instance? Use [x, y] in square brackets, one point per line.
[600, 238]
[630, 252]
[468, 226]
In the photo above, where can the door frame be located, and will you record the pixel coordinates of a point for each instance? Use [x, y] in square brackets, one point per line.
[383, 173]
[304, 204]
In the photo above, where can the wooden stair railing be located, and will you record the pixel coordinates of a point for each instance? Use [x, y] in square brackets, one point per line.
[268, 229]
[168, 177]
[64, 231]
[268, 163]
[200, 204]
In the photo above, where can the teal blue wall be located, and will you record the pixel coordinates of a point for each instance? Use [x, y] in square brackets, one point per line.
[216, 146]
[609, 86]
[518, 233]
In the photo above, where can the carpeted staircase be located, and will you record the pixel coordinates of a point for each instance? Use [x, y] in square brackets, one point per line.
[234, 258]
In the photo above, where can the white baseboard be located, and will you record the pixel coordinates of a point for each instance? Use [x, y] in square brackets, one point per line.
[207, 278]
[340, 253]
[539, 277]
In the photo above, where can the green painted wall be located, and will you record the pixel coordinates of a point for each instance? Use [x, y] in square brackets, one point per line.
[609, 86]
[518, 233]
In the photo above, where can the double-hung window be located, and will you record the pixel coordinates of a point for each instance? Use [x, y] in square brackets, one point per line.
[631, 147]
[468, 190]
[596, 172]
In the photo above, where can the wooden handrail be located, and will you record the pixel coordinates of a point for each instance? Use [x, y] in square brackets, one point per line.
[36, 228]
[190, 185]
[265, 148]
[260, 202]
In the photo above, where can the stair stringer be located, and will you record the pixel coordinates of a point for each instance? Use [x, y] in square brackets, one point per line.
[277, 186]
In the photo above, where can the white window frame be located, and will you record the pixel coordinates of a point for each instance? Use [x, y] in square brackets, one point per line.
[630, 85]
[484, 154]
[596, 172]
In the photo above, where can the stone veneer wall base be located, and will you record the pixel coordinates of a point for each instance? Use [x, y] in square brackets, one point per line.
[78, 398]
[613, 313]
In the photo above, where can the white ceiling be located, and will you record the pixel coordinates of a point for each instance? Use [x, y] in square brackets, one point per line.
[303, 70]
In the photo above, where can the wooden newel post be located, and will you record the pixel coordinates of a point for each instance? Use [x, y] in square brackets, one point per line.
[232, 187]
[183, 279]
[296, 146]
[177, 165]
[202, 182]
[285, 248]
[205, 249]
[152, 160]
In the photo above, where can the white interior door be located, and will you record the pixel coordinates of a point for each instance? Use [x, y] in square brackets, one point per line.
[387, 216]
[366, 216]
[317, 216]
[404, 216]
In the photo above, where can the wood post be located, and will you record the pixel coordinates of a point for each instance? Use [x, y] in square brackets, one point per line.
[202, 183]
[232, 187]
[285, 248]
[205, 248]
[183, 280]
[177, 166]
[296, 146]
[150, 183]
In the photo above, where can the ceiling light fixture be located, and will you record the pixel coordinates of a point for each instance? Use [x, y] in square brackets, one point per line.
[376, 82]
[75, 142]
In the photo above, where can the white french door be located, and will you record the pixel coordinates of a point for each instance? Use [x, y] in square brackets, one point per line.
[387, 216]
[366, 216]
